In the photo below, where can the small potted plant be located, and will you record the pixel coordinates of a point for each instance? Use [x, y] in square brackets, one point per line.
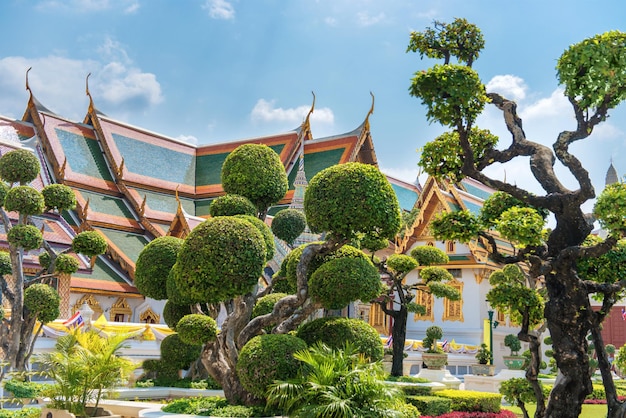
[434, 357]
[513, 361]
[484, 356]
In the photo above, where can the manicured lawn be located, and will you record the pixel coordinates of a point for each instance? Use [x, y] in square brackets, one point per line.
[589, 411]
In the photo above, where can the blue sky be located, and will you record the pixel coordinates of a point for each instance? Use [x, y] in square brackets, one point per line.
[211, 71]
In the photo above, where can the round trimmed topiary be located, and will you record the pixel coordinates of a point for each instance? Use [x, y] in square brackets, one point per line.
[154, 264]
[427, 255]
[4, 189]
[401, 263]
[196, 329]
[340, 281]
[5, 263]
[59, 197]
[89, 243]
[19, 166]
[265, 230]
[288, 224]
[347, 199]
[265, 305]
[28, 237]
[256, 172]
[336, 331]
[221, 258]
[231, 205]
[24, 199]
[172, 313]
[178, 353]
[43, 301]
[66, 263]
[174, 294]
[44, 260]
[266, 358]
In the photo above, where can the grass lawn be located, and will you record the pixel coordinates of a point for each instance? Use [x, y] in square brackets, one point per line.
[589, 411]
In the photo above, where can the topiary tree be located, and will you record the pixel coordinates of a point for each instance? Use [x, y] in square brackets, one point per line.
[288, 224]
[31, 299]
[153, 266]
[222, 259]
[177, 353]
[432, 279]
[196, 329]
[335, 332]
[592, 73]
[232, 204]
[267, 358]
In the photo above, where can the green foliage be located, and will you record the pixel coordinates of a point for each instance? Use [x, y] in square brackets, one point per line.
[455, 226]
[433, 334]
[266, 358]
[265, 231]
[427, 255]
[372, 243]
[510, 294]
[90, 243]
[178, 353]
[4, 189]
[19, 166]
[335, 332]
[256, 172]
[42, 301]
[211, 406]
[459, 39]
[264, 305]
[28, 237]
[24, 199]
[23, 388]
[340, 281]
[484, 355]
[620, 359]
[196, 329]
[59, 197]
[401, 263]
[221, 258]
[172, 313]
[1, 312]
[498, 203]
[521, 225]
[347, 199]
[154, 264]
[518, 391]
[431, 405]
[25, 412]
[443, 157]
[230, 205]
[593, 71]
[513, 342]
[610, 208]
[5, 263]
[66, 263]
[451, 93]
[288, 224]
[469, 400]
[335, 383]
[435, 274]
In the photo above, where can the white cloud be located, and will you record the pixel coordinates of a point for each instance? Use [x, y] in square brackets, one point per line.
[219, 9]
[189, 139]
[365, 19]
[266, 112]
[406, 174]
[509, 86]
[556, 105]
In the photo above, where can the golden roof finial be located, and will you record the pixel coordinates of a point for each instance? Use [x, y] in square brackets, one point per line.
[306, 125]
[86, 209]
[367, 121]
[87, 91]
[61, 172]
[27, 85]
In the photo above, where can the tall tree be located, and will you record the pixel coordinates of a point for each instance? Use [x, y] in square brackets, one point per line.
[31, 299]
[222, 259]
[594, 76]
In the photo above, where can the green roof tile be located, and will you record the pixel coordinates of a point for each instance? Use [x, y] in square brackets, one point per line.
[129, 244]
[165, 202]
[107, 204]
[102, 271]
[209, 169]
[202, 207]
[406, 197]
[155, 161]
[316, 162]
[83, 155]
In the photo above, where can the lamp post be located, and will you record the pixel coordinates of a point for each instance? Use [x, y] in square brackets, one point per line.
[490, 313]
[87, 313]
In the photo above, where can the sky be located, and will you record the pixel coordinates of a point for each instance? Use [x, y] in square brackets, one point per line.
[211, 71]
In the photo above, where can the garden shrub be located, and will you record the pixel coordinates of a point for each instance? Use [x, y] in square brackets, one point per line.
[463, 414]
[24, 389]
[66, 263]
[178, 353]
[153, 266]
[266, 358]
[20, 413]
[469, 400]
[172, 313]
[214, 406]
[59, 197]
[288, 224]
[28, 237]
[430, 405]
[265, 231]
[335, 332]
[90, 243]
[230, 205]
[19, 166]
[196, 329]
[415, 390]
[24, 199]
[42, 300]
[265, 305]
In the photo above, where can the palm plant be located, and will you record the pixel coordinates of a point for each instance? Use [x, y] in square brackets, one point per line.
[82, 367]
[335, 383]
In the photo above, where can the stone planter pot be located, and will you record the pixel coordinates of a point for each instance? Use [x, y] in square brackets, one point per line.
[514, 362]
[483, 369]
[435, 361]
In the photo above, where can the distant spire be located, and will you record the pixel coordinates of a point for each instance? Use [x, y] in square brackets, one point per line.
[611, 175]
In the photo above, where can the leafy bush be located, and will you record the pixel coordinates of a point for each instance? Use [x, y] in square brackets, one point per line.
[153, 266]
[265, 305]
[59, 196]
[66, 263]
[513, 342]
[288, 224]
[172, 313]
[24, 389]
[196, 329]
[266, 358]
[24, 199]
[28, 237]
[178, 353]
[213, 406]
[20, 413]
[5, 263]
[335, 332]
[89, 243]
[469, 401]
[430, 405]
[265, 231]
[19, 166]
[230, 205]
[462, 414]
[43, 301]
